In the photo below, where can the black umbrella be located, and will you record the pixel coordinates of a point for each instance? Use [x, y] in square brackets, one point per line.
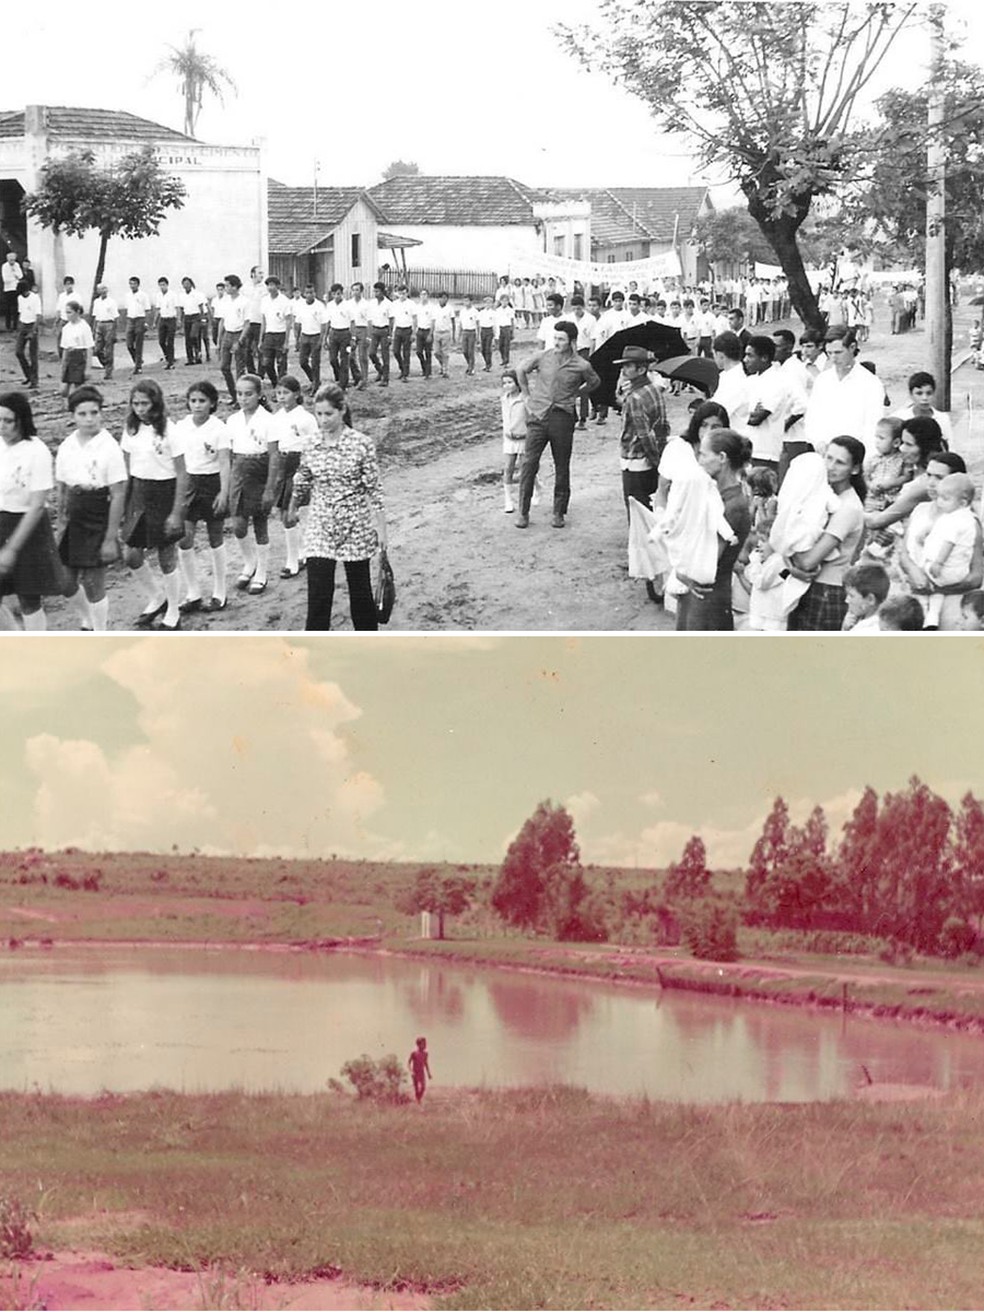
[659, 339]
[693, 369]
[978, 300]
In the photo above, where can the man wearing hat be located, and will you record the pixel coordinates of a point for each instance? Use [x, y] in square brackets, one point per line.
[644, 427]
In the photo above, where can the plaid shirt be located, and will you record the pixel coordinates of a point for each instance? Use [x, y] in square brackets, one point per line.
[644, 426]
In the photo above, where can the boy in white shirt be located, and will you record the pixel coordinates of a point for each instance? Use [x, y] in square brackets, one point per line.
[468, 327]
[167, 321]
[358, 308]
[486, 331]
[28, 325]
[339, 320]
[380, 314]
[425, 333]
[444, 317]
[310, 318]
[277, 311]
[922, 394]
[67, 294]
[865, 588]
[137, 309]
[404, 315]
[505, 318]
[105, 313]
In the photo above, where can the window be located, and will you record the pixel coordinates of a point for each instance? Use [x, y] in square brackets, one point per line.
[629, 255]
[356, 250]
[609, 259]
[559, 245]
[579, 245]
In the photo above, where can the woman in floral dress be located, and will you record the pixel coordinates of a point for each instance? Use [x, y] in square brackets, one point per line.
[339, 476]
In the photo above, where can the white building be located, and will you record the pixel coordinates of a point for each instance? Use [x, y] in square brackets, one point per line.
[222, 227]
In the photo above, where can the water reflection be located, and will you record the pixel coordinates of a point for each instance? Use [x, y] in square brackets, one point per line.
[80, 1020]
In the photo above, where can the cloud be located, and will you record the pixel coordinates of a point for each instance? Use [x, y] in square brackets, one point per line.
[241, 746]
[652, 799]
[582, 806]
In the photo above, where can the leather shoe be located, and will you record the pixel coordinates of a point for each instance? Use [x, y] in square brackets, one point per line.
[558, 521]
[522, 521]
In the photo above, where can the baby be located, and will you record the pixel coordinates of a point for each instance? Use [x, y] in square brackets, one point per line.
[900, 615]
[949, 544]
[972, 611]
[884, 473]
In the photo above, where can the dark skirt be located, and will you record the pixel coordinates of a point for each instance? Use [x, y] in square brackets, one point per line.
[149, 502]
[37, 570]
[711, 614]
[821, 610]
[85, 530]
[285, 478]
[247, 485]
[200, 494]
[73, 366]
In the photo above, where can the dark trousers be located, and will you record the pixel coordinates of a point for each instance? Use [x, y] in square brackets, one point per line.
[249, 344]
[425, 350]
[556, 430]
[468, 349]
[229, 356]
[273, 356]
[402, 340]
[193, 338]
[379, 353]
[321, 593]
[309, 357]
[10, 310]
[106, 346]
[505, 342]
[639, 485]
[27, 351]
[166, 329]
[339, 341]
[136, 330]
[704, 347]
[487, 339]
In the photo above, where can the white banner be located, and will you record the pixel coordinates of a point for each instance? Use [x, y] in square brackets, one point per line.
[526, 263]
[767, 270]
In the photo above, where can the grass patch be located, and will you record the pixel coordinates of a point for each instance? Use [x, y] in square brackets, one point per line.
[546, 1198]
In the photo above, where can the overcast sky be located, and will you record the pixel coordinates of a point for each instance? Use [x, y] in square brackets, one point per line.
[460, 89]
[439, 748]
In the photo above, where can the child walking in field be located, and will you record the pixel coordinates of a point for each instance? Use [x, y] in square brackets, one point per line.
[420, 1071]
[513, 434]
[152, 521]
[90, 474]
[203, 444]
[29, 565]
[77, 344]
[295, 427]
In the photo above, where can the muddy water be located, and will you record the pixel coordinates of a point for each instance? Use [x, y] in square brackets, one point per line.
[81, 1020]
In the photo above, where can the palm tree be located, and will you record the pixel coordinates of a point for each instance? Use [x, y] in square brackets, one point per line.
[198, 73]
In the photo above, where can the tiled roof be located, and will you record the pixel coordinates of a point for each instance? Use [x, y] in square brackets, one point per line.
[620, 214]
[98, 124]
[296, 225]
[416, 198]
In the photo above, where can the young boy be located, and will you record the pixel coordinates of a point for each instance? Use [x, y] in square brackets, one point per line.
[922, 394]
[866, 588]
[67, 294]
[949, 545]
[137, 309]
[972, 611]
[444, 317]
[420, 1070]
[468, 324]
[167, 321]
[486, 329]
[28, 326]
[900, 615]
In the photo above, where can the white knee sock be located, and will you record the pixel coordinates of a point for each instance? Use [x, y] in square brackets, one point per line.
[262, 563]
[292, 536]
[147, 579]
[172, 591]
[37, 622]
[247, 546]
[82, 607]
[100, 615]
[189, 573]
[219, 572]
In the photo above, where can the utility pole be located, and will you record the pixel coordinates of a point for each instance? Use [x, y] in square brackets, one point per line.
[938, 326]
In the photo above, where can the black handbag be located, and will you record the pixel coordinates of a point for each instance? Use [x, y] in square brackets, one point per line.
[385, 594]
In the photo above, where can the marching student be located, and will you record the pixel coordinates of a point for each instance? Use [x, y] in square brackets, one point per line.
[425, 333]
[90, 473]
[29, 565]
[486, 329]
[191, 307]
[216, 309]
[294, 427]
[310, 318]
[444, 318]
[277, 311]
[155, 494]
[252, 486]
[380, 327]
[249, 343]
[468, 326]
[167, 321]
[202, 444]
[68, 293]
[235, 311]
[28, 327]
[404, 317]
[77, 344]
[105, 314]
[137, 309]
[358, 308]
[339, 321]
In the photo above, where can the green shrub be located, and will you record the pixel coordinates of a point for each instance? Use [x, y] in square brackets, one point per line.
[956, 937]
[710, 929]
[379, 1081]
[16, 1239]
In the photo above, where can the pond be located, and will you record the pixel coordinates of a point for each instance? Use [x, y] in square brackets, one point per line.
[80, 1020]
